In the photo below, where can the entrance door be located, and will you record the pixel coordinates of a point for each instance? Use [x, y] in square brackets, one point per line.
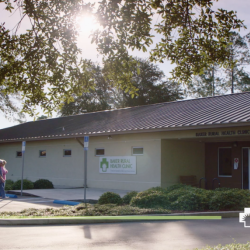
[246, 168]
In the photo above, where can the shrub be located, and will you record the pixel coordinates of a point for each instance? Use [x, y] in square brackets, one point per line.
[222, 189]
[177, 186]
[158, 189]
[110, 198]
[150, 199]
[9, 182]
[231, 199]
[177, 197]
[43, 184]
[127, 197]
[9, 185]
[27, 184]
[190, 201]
[175, 194]
[186, 198]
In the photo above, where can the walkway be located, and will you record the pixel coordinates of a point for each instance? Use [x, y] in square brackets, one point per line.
[72, 194]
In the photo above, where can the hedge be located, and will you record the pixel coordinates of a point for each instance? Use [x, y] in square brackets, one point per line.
[187, 198]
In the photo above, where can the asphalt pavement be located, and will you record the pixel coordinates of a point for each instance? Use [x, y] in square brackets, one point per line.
[167, 235]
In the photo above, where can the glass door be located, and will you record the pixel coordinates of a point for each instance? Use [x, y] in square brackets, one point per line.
[245, 168]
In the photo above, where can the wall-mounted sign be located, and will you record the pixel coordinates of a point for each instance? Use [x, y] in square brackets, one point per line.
[236, 163]
[223, 133]
[23, 146]
[117, 165]
[86, 142]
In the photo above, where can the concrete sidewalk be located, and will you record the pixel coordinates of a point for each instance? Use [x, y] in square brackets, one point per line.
[44, 198]
[70, 194]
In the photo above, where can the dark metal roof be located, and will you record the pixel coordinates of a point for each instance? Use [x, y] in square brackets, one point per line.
[187, 114]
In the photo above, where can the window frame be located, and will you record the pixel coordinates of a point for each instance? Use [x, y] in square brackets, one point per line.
[99, 149]
[42, 156]
[67, 150]
[227, 176]
[19, 152]
[138, 147]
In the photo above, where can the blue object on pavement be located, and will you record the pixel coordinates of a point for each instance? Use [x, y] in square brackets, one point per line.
[71, 203]
[11, 195]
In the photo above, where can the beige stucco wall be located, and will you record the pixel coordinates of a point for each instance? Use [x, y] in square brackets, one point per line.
[167, 155]
[148, 165]
[62, 171]
[181, 158]
[69, 171]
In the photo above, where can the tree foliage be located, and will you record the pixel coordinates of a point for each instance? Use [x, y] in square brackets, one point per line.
[44, 63]
[151, 86]
[193, 35]
[148, 80]
[236, 77]
[42, 117]
[207, 84]
[96, 99]
[9, 107]
[216, 80]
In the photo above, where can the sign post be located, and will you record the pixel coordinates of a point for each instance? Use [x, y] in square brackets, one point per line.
[86, 147]
[23, 152]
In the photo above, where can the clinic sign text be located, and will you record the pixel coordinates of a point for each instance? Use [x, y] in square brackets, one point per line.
[223, 133]
[117, 165]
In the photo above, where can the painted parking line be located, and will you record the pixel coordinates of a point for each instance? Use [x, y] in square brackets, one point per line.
[11, 195]
[64, 202]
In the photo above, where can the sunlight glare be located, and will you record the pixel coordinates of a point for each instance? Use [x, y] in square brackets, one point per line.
[87, 23]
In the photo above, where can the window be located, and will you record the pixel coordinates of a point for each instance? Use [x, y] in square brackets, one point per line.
[42, 153]
[67, 152]
[19, 154]
[225, 162]
[99, 151]
[137, 151]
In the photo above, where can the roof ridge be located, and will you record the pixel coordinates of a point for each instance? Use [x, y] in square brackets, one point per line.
[159, 103]
[132, 107]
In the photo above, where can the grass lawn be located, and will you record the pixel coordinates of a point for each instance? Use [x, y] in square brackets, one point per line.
[233, 246]
[85, 210]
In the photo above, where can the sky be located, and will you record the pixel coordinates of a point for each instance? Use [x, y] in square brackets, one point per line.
[89, 50]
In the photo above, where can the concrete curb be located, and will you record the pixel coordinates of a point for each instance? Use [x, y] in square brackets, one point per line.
[109, 219]
[19, 193]
[225, 214]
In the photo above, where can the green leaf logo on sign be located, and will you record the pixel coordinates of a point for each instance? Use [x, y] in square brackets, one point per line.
[104, 165]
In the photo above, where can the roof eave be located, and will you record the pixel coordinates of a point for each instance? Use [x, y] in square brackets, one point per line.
[144, 130]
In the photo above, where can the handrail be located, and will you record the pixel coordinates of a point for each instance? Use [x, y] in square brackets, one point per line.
[215, 180]
[203, 178]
